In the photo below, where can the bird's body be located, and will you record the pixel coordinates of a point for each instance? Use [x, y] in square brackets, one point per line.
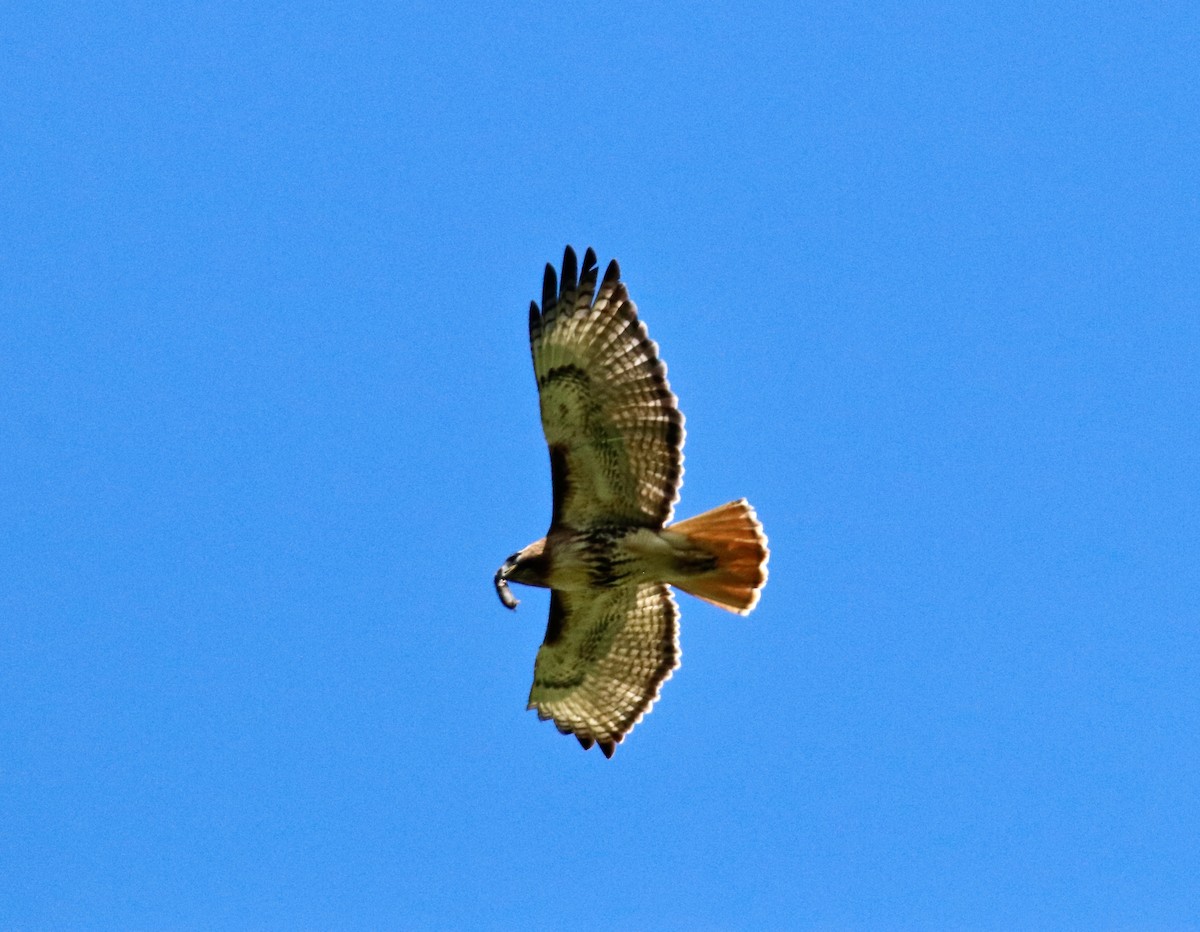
[603, 557]
[616, 459]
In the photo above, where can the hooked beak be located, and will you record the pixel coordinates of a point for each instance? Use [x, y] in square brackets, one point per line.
[506, 597]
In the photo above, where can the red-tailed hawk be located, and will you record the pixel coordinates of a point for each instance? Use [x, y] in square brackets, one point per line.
[611, 554]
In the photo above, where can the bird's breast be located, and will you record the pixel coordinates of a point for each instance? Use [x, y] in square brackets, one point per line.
[595, 558]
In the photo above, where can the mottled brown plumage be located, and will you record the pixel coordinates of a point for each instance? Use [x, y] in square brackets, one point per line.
[615, 436]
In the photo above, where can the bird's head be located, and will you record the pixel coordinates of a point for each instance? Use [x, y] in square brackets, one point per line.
[525, 566]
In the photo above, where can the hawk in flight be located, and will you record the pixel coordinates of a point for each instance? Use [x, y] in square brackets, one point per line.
[611, 553]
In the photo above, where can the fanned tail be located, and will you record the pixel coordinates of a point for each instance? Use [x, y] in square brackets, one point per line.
[732, 534]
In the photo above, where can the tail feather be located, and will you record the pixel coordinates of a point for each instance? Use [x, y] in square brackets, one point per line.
[732, 534]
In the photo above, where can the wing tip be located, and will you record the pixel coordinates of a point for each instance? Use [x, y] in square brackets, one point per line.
[570, 271]
[607, 747]
[549, 288]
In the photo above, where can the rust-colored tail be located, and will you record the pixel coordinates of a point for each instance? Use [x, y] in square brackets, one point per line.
[732, 534]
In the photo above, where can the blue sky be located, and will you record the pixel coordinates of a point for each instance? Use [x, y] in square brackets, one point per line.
[926, 278]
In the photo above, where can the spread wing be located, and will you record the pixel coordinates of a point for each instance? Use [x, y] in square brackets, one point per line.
[614, 430]
[606, 654]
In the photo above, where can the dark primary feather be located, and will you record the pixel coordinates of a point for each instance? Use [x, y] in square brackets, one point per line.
[569, 272]
[549, 288]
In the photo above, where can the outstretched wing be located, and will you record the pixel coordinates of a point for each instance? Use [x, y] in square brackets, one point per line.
[606, 654]
[612, 424]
